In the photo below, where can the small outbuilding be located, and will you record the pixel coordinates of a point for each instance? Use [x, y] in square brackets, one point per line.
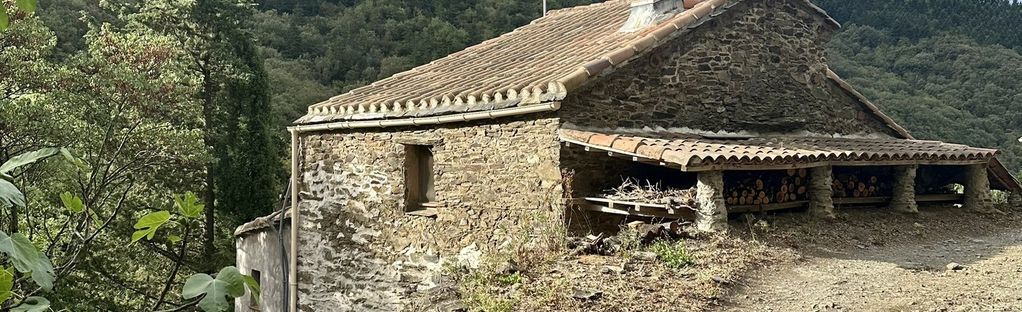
[729, 102]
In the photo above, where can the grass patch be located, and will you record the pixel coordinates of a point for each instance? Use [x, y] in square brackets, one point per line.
[509, 279]
[673, 254]
[478, 291]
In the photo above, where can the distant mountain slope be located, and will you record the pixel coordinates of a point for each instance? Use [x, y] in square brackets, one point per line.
[946, 87]
[944, 69]
[985, 21]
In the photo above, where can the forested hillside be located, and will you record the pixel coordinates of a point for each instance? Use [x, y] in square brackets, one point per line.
[944, 69]
[317, 49]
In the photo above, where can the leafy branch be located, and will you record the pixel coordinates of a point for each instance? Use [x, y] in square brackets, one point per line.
[210, 292]
[24, 5]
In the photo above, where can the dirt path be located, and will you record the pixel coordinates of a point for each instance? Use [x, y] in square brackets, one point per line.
[893, 264]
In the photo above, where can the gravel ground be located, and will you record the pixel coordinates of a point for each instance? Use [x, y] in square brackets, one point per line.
[865, 260]
[943, 259]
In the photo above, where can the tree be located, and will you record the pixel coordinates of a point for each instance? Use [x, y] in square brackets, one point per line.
[241, 178]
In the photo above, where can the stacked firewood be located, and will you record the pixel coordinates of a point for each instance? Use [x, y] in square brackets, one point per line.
[767, 188]
[857, 185]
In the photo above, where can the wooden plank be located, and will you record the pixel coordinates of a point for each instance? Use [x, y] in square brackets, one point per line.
[613, 202]
[860, 200]
[686, 214]
[939, 197]
[767, 207]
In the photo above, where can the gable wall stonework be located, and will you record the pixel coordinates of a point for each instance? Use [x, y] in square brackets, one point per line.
[758, 67]
[358, 250]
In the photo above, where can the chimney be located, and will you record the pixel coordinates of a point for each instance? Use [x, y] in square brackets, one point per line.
[644, 13]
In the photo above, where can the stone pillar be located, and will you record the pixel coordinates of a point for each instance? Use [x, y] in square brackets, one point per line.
[977, 189]
[1015, 200]
[711, 216]
[903, 194]
[821, 195]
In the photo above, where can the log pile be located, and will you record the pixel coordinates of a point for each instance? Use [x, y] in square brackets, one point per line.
[768, 187]
[859, 184]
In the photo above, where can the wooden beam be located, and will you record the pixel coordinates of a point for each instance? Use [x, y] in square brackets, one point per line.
[940, 198]
[866, 163]
[860, 200]
[767, 207]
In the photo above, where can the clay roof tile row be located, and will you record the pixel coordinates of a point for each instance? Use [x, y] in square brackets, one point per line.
[535, 63]
[692, 150]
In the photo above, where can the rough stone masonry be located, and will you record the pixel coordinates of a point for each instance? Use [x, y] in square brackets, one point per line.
[359, 250]
[759, 67]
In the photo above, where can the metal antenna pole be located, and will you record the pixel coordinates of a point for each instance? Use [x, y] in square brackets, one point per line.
[544, 7]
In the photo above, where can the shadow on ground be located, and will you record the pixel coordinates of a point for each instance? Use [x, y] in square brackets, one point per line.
[942, 259]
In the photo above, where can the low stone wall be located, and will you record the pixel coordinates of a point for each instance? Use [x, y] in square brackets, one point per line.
[360, 251]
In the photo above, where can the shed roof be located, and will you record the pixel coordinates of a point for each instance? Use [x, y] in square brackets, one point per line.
[263, 222]
[697, 151]
[535, 63]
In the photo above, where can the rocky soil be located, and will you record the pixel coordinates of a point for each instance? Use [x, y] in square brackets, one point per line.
[943, 259]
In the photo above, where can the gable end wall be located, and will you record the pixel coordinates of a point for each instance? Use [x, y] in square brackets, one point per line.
[758, 67]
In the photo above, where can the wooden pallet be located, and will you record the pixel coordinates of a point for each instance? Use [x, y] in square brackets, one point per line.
[628, 208]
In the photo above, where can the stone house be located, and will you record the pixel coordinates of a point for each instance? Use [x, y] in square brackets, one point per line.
[513, 139]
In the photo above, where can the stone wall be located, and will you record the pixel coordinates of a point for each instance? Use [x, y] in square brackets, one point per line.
[758, 67]
[360, 251]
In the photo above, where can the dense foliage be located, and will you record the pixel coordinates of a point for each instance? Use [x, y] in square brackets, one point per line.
[148, 109]
[944, 69]
[985, 21]
[316, 49]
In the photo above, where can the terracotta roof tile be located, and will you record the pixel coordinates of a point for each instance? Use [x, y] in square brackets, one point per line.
[777, 150]
[534, 63]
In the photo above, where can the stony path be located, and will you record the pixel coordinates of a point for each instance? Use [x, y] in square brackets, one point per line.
[902, 277]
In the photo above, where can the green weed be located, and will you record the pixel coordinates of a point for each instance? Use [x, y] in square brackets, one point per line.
[673, 254]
